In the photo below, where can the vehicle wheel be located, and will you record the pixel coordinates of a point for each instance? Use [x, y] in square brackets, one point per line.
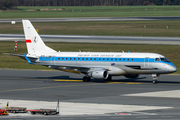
[45, 113]
[32, 113]
[53, 113]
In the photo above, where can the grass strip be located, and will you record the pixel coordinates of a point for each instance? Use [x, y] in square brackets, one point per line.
[169, 51]
[119, 28]
[91, 11]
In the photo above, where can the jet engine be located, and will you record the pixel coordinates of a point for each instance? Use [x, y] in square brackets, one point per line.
[132, 75]
[99, 74]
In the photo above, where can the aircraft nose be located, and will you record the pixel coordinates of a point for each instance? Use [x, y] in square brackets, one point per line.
[173, 69]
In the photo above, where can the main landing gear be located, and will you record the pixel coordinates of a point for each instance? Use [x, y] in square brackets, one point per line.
[109, 78]
[154, 76]
[86, 79]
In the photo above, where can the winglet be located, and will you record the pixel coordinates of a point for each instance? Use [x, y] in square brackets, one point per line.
[28, 59]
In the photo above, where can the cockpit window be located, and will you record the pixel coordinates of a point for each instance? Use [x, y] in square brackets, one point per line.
[157, 59]
[164, 59]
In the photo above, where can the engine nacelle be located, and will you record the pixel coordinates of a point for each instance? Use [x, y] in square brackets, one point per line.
[132, 75]
[99, 74]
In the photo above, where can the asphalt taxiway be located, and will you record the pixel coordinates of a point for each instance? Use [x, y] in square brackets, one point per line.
[97, 39]
[91, 19]
[119, 99]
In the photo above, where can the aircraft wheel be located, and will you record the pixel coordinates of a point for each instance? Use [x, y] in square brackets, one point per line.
[86, 79]
[155, 81]
[109, 78]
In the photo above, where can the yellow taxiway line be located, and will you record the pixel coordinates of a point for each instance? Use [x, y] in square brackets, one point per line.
[68, 80]
[64, 80]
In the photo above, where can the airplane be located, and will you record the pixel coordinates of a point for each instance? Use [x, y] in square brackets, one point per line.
[96, 65]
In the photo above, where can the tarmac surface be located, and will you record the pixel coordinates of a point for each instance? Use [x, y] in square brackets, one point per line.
[91, 19]
[122, 98]
[97, 39]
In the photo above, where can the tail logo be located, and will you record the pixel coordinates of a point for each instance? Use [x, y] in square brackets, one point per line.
[35, 39]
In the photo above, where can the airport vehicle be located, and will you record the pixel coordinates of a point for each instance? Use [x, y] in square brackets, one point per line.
[44, 111]
[3, 112]
[17, 110]
[96, 65]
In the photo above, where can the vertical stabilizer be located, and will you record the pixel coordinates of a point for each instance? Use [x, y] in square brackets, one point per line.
[35, 44]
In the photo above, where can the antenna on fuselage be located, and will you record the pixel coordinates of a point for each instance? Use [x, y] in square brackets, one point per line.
[122, 51]
[79, 50]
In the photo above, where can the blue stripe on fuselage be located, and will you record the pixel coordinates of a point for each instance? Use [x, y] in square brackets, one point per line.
[101, 59]
[95, 59]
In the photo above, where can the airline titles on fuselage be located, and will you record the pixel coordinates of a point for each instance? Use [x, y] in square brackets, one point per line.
[97, 55]
[89, 55]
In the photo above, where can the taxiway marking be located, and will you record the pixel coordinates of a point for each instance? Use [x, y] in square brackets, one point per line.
[22, 78]
[47, 87]
[132, 83]
[71, 80]
[68, 80]
[166, 94]
[113, 82]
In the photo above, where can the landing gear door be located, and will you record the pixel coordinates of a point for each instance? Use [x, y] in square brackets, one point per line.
[146, 62]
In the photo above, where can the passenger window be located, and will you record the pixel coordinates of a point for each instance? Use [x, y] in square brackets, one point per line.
[131, 59]
[66, 58]
[119, 59]
[99, 58]
[74, 58]
[115, 59]
[127, 59]
[107, 59]
[78, 58]
[82, 58]
[86, 58]
[94, 58]
[123, 59]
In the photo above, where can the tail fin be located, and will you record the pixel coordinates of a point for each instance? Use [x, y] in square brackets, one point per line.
[35, 44]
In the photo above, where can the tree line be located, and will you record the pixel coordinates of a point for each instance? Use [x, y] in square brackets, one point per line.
[8, 4]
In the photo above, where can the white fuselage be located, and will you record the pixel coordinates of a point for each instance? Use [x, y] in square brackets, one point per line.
[115, 63]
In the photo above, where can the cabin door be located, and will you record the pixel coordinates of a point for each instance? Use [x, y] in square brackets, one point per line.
[146, 62]
[52, 60]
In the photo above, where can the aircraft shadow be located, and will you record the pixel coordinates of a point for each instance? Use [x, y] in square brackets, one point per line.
[136, 80]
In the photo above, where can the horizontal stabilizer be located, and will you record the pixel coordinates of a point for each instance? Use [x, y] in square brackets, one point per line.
[23, 56]
[14, 54]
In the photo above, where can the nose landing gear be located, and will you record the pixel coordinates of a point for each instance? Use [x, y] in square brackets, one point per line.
[154, 76]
